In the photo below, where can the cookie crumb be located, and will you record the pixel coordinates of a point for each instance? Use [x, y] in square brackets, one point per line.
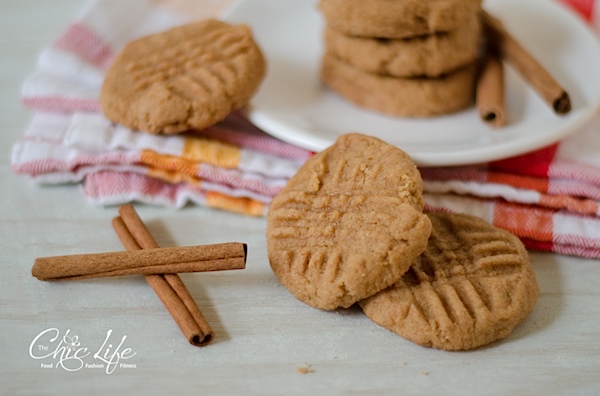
[307, 369]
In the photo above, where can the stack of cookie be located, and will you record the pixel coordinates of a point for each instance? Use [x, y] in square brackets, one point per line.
[411, 58]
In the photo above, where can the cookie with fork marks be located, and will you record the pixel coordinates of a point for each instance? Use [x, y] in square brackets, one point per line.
[473, 285]
[189, 77]
[348, 224]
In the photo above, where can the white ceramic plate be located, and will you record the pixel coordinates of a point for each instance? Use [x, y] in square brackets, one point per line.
[295, 107]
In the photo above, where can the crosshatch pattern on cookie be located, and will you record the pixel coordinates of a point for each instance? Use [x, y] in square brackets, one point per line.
[332, 245]
[188, 66]
[471, 286]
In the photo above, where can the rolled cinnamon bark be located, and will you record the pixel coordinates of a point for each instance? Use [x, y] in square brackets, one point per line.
[529, 68]
[169, 288]
[202, 258]
[490, 90]
[159, 266]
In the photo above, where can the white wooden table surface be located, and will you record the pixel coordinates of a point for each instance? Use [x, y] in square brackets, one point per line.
[266, 342]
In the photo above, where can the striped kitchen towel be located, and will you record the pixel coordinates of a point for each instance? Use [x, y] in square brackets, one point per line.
[63, 148]
[549, 198]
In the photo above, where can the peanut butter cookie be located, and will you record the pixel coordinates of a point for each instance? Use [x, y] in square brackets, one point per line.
[471, 286]
[189, 77]
[397, 18]
[396, 96]
[423, 56]
[348, 224]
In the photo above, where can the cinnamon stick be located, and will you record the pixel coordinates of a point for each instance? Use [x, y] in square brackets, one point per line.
[529, 68]
[169, 288]
[490, 90]
[215, 257]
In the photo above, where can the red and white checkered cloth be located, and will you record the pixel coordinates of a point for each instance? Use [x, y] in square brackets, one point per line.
[549, 198]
